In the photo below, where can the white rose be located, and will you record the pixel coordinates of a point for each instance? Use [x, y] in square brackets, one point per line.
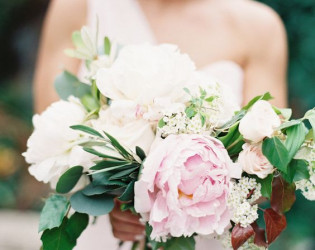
[253, 161]
[122, 122]
[142, 73]
[259, 122]
[52, 147]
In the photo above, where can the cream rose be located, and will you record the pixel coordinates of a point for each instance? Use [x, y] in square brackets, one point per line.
[259, 122]
[253, 161]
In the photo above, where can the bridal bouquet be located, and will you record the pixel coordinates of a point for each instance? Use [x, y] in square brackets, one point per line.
[143, 126]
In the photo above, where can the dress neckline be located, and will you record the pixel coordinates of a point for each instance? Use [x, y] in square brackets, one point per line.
[153, 38]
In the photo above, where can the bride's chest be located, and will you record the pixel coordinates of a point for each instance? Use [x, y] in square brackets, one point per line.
[207, 36]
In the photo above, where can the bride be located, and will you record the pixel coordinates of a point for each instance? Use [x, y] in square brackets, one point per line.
[241, 42]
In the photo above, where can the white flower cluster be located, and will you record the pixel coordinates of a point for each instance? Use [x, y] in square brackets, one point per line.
[248, 245]
[179, 123]
[307, 186]
[241, 197]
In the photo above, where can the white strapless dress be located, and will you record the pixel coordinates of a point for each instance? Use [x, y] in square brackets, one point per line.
[125, 22]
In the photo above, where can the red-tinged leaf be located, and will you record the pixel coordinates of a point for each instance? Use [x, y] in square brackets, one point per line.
[275, 224]
[240, 235]
[260, 238]
[283, 195]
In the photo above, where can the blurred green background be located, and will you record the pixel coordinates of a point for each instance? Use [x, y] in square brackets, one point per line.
[20, 24]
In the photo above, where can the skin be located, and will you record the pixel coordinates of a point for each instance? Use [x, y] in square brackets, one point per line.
[242, 31]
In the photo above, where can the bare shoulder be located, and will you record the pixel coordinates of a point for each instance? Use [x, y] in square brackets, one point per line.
[256, 20]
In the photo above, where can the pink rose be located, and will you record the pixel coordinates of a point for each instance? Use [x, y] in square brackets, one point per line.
[184, 186]
[253, 161]
[259, 122]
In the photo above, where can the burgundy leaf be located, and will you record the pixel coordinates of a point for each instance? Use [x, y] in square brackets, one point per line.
[240, 235]
[275, 224]
[283, 195]
[260, 238]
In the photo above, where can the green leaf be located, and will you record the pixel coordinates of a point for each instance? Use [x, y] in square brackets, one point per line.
[76, 225]
[69, 179]
[265, 97]
[107, 164]
[87, 130]
[302, 171]
[129, 193]
[65, 236]
[286, 113]
[203, 120]
[276, 153]
[118, 191]
[236, 147]
[103, 179]
[127, 206]
[233, 140]
[123, 173]
[92, 143]
[94, 90]
[93, 205]
[297, 170]
[107, 46]
[295, 138]
[232, 132]
[190, 112]
[234, 120]
[161, 123]
[57, 238]
[289, 124]
[92, 189]
[181, 243]
[90, 103]
[187, 90]
[118, 146]
[94, 152]
[55, 209]
[211, 98]
[121, 167]
[266, 186]
[77, 39]
[67, 84]
[140, 153]
[288, 177]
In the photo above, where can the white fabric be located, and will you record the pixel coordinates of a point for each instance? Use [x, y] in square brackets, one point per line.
[125, 22]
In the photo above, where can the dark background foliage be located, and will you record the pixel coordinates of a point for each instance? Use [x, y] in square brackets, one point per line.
[20, 22]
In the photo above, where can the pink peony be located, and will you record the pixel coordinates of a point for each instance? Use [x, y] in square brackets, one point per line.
[184, 186]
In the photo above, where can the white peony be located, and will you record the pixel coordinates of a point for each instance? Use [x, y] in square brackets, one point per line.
[145, 72]
[259, 122]
[123, 121]
[53, 146]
